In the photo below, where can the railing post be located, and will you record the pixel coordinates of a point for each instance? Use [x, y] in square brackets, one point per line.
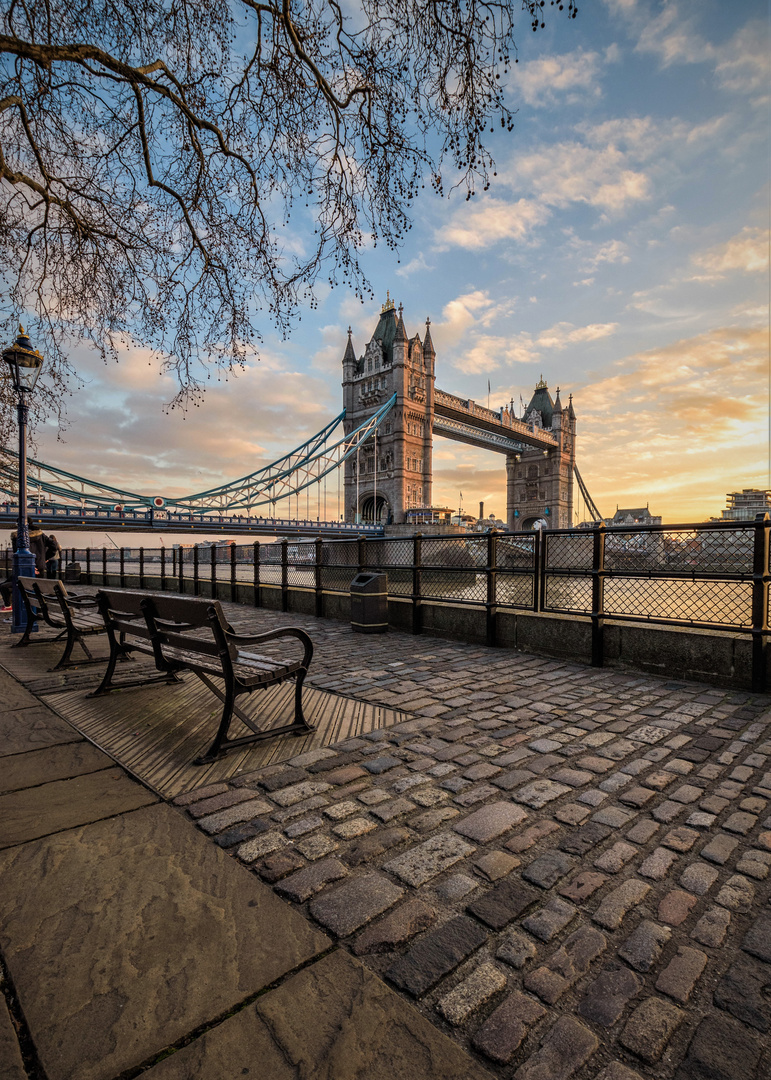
[598, 596]
[88, 565]
[284, 575]
[317, 576]
[174, 563]
[104, 566]
[196, 588]
[123, 568]
[760, 579]
[141, 568]
[181, 571]
[257, 597]
[163, 568]
[361, 557]
[213, 550]
[539, 572]
[233, 573]
[417, 558]
[490, 580]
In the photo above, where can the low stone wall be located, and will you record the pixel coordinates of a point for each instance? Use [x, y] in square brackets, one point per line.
[715, 657]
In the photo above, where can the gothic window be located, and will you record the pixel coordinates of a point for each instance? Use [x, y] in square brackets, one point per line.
[532, 472]
[388, 428]
[369, 365]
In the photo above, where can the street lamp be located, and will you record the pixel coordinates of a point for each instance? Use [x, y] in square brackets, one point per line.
[24, 363]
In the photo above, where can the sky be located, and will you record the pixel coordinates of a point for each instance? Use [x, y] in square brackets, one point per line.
[621, 252]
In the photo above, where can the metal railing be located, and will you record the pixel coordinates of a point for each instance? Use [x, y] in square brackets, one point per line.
[713, 576]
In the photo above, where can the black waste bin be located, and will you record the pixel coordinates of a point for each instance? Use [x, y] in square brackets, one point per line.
[369, 603]
[72, 573]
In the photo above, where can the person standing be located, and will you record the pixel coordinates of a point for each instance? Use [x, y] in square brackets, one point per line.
[38, 543]
[53, 556]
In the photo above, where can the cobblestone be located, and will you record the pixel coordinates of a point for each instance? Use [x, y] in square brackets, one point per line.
[737, 894]
[650, 1028]
[506, 901]
[434, 956]
[566, 1047]
[711, 927]
[615, 906]
[745, 992]
[643, 947]
[491, 822]
[681, 974]
[426, 860]
[346, 909]
[515, 949]
[608, 996]
[567, 965]
[675, 907]
[505, 1029]
[484, 983]
[549, 920]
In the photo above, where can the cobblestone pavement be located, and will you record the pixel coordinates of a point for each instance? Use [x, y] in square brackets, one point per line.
[566, 869]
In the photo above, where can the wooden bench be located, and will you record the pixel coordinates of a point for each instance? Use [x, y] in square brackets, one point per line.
[75, 615]
[189, 634]
[127, 632]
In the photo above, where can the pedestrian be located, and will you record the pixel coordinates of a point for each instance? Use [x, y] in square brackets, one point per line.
[53, 556]
[37, 545]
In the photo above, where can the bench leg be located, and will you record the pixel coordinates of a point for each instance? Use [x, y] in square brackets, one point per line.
[299, 726]
[220, 738]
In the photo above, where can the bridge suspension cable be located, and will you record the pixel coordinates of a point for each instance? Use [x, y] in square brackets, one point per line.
[590, 503]
[307, 464]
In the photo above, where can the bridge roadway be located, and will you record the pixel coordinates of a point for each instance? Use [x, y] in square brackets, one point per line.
[69, 517]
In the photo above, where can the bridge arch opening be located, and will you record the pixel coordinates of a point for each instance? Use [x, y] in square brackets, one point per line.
[374, 511]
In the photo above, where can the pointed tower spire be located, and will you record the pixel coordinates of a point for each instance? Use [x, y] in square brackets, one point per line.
[557, 402]
[349, 355]
[428, 345]
[401, 333]
[571, 412]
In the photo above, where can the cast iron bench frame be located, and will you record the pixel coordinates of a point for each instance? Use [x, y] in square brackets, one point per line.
[191, 634]
[74, 615]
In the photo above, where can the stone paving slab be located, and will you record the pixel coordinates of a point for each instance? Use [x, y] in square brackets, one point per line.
[30, 727]
[123, 936]
[63, 804]
[51, 763]
[11, 1063]
[14, 696]
[333, 1021]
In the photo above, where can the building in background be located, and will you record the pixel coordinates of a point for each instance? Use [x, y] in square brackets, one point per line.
[745, 505]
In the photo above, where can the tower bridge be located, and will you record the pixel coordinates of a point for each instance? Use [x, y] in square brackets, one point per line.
[381, 464]
[392, 473]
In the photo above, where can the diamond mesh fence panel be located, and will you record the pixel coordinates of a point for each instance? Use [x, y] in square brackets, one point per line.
[710, 602]
[719, 551]
[381, 554]
[456, 585]
[339, 564]
[458, 551]
[568, 594]
[301, 561]
[515, 551]
[514, 590]
[567, 551]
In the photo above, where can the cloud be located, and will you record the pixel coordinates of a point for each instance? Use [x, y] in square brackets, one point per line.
[569, 173]
[678, 425]
[745, 64]
[563, 334]
[490, 222]
[674, 39]
[414, 265]
[553, 80]
[747, 252]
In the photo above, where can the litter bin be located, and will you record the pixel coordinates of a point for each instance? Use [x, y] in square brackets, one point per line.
[72, 573]
[369, 603]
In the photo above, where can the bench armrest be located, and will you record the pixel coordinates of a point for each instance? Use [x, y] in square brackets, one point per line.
[282, 631]
[80, 601]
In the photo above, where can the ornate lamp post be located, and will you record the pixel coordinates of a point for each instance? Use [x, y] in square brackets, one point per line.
[24, 363]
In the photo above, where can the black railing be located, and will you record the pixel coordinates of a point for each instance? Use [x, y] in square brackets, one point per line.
[711, 576]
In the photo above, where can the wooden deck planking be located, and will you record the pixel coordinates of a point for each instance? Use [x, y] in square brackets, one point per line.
[156, 731]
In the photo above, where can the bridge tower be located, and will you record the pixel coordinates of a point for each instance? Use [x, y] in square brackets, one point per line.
[540, 482]
[391, 364]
